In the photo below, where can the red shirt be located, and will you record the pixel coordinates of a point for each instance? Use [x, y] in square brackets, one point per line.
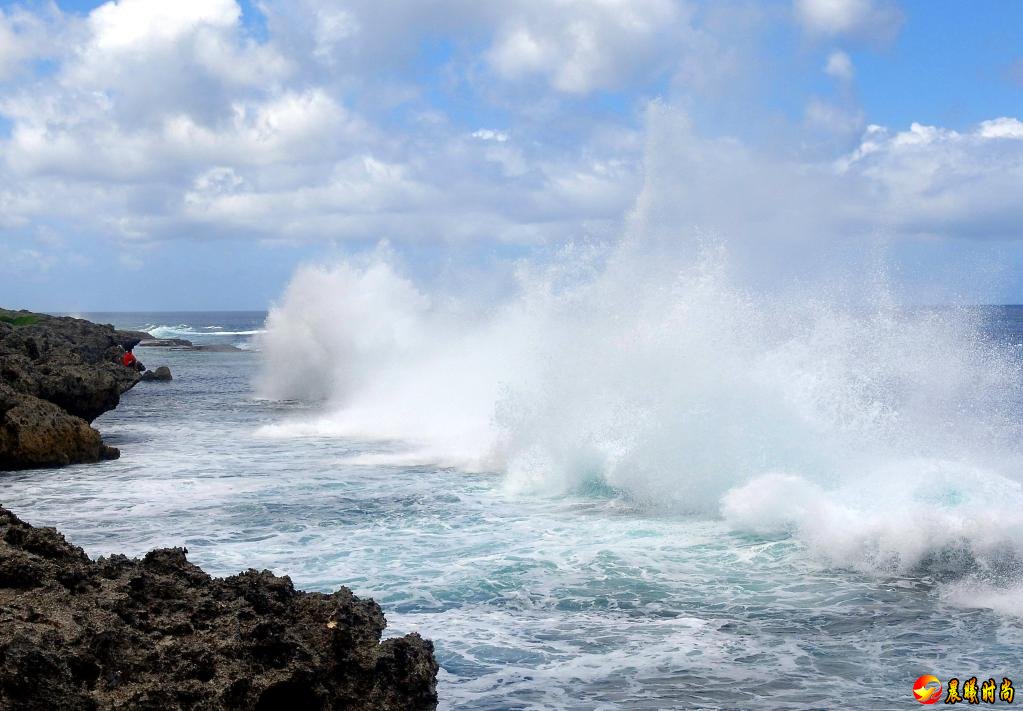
[129, 359]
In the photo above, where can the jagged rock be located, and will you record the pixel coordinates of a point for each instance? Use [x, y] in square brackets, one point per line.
[159, 633]
[162, 373]
[37, 433]
[71, 363]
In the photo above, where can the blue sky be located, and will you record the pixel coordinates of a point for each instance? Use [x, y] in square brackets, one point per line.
[952, 65]
[191, 155]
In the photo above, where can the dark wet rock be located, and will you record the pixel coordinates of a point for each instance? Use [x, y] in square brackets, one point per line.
[165, 343]
[180, 344]
[162, 373]
[159, 633]
[67, 362]
[70, 362]
[216, 348]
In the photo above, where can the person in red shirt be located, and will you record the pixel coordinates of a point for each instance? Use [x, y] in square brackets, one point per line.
[131, 361]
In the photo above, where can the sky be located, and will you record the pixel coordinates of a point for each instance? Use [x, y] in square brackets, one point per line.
[191, 154]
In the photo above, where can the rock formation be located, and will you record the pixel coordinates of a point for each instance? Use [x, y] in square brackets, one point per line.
[159, 633]
[165, 343]
[162, 373]
[37, 433]
[58, 374]
[180, 344]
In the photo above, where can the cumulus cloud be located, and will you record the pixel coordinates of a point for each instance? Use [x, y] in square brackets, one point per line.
[150, 58]
[580, 46]
[936, 181]
[173, 119]
[26, 36]
[871, 19]
[160, 120]
[571, 46]
[781, 211]
[137, 24]
[1001, 128]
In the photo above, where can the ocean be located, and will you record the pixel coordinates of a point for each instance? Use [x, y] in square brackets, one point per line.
[604, 577]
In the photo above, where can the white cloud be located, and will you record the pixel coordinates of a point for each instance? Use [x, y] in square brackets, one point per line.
[162, 120]
[839, 66]
[580, 46]
[147, 58]
[1001, 128]
[935, 181]
[307, 127]
[872, 19]
[15, 47]
[486, 134]
[833, 118]
[219, 180]
[572, 46]
[25, 36]
[519, 53]
[333, 26]
[129, 25]
[453, 195]
[780, 212]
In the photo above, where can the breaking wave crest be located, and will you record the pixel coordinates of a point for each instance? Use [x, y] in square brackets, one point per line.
[658, 369]
[183, 330]
[877, 436]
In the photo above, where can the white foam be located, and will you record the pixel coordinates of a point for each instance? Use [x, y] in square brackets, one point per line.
[891, 518]
[181, 330]
[652, 367]
[1007, 601]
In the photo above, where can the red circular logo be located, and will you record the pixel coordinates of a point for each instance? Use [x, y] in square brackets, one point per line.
[927, 689]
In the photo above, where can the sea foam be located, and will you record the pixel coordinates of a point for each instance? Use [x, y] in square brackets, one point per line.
[181, 330]
[878, 435]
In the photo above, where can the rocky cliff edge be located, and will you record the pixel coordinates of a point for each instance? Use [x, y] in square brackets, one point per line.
[57, 375]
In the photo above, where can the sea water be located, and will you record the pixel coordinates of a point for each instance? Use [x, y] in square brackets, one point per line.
[609, 573]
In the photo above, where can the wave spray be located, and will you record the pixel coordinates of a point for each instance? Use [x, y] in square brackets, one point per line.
[881, 437]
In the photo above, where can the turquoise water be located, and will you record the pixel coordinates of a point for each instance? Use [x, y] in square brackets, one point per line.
[581, 600]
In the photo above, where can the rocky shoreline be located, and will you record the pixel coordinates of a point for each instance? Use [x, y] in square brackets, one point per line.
[57, 375]
[158, 633]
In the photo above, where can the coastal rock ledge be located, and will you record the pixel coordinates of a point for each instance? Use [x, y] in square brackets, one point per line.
[159, 633]
[57, 375]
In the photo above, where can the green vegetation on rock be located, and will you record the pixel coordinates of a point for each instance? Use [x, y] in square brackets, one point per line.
[13, 318]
